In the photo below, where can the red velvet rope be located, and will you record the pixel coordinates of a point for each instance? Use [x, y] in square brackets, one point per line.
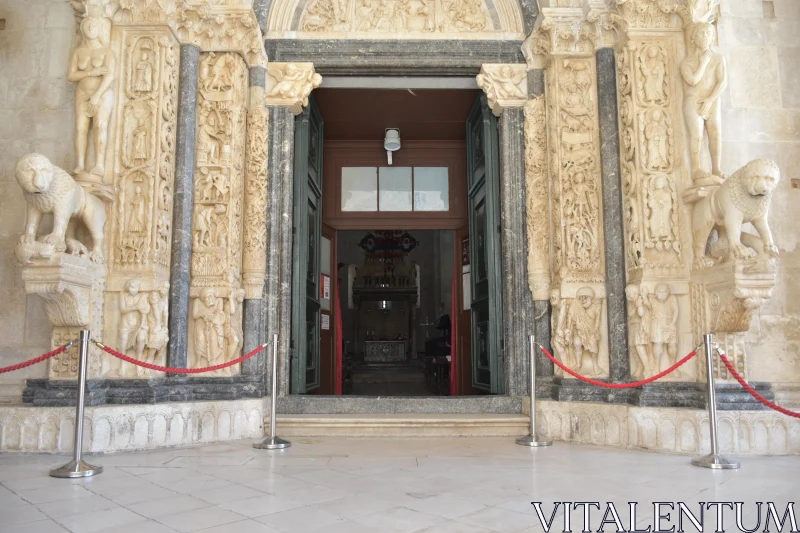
[618, 385]
[136, 362]
[752, 391]
[43, 357]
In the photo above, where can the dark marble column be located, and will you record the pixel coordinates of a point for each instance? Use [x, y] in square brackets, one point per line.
[261, 9]
[183, 207]
[517, 302]
[254, 326]
[541, 308]
[612, 220]
[278, 300]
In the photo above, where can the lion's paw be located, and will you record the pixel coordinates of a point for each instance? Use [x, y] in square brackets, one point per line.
[57, 242]
[740, 251]
[703, 262]
[97, 256]
[771, 250]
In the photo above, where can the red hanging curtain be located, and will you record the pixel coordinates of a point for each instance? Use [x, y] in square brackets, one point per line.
[453, 380]
[338, 338]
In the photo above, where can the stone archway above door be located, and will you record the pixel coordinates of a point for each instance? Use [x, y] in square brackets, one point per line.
[396, 19]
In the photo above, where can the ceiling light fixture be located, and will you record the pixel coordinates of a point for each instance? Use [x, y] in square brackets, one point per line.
[391, 142]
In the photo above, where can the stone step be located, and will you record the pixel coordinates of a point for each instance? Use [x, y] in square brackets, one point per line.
[389, 377]
[401, 425]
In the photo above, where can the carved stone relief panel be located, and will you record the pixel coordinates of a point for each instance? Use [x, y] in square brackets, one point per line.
[505, 85]
[579, 329]
[215, 323]
[538, 225]
[377, 17]
[576, 203]
[141, 220]
[290, 85]
[255, 218]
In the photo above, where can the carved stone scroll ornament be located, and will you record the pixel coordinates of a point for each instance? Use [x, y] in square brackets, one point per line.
[505, 85]
[536, 198]
[290, 85]
[255, 221]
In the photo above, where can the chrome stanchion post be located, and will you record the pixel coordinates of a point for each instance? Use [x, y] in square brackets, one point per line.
[77, 467]
[714, 459]
[273, 442]
[531, 440]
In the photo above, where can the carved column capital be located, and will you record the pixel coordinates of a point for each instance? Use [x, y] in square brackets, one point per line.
[290, 85]
[611, 30]
[559, 32]
[505, 85]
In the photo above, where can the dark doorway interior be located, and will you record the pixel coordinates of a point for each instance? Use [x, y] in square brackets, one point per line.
[396, 320]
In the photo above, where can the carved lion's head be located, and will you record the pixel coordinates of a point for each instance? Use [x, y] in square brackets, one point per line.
[34, 173]
[759, 177]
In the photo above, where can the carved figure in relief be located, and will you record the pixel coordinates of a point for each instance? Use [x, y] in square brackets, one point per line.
[234, 334]
[664, 333]
[158, 323]
[654, 72]
[140, 144]
[144, 74]
[133, 308]
[92, 67]
[466, 15]
[639, 321]
[660, 204]
[289, 82]
[582, 328]
[216, 73]
[138, 217]
[656, 135]
[742, 198]
[211, 138]
[204, 223]
[705, 77]
[558, 336]
[209, 319]
[49, 189]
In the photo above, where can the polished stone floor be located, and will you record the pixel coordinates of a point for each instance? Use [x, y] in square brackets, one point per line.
[334, 485]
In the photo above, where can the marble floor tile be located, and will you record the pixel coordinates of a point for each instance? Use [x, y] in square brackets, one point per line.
[320, 485]
[198, 519]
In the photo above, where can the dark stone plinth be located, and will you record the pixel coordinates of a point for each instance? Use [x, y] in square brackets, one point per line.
[573, 390]
[518, 323]
[732, 397]
[63, 393]
[397, 57]
[373, 405]
[613, 226]
[669, 394]
[183, 207]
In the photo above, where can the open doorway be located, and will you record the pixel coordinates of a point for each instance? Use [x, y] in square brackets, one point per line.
[396, 282]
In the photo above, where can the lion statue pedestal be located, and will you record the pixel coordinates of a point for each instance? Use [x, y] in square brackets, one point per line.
[59, 268]
[734, 273]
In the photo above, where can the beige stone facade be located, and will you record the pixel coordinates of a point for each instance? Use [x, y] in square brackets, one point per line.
[683, 72]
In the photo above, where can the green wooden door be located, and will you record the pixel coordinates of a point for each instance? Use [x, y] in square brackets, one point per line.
[483, 185]
[306, 237]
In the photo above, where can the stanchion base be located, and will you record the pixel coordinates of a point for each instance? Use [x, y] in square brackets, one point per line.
[532, 441]
[272, 443]
[715, 462]
[76, 469]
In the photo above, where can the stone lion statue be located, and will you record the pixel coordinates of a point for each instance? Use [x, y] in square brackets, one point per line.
[742, 198]
[49, 189]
